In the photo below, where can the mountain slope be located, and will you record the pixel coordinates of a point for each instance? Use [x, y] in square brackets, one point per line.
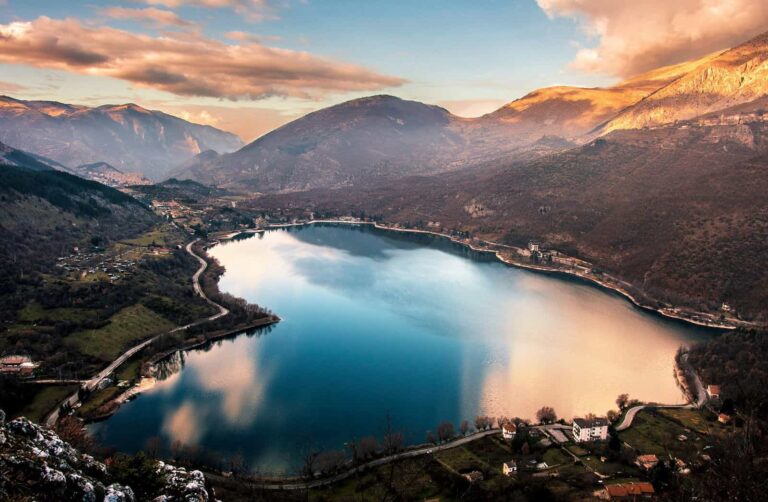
[360, 139]
[12, 157]
[128, 137]
[736, 76]
[570, 112]
[679, 212]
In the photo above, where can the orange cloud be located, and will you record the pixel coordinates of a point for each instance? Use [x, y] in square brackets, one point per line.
[253, 10]
[638, 36]
[182, 63]
[149, 15]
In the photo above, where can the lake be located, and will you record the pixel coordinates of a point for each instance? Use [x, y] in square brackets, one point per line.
[414, 327]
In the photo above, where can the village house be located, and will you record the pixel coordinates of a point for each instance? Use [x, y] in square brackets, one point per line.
[17, 365]
[713, 391]
[509, 468]
[534, 247]
[594, 429]
[474, 476]
[508, 430]
[724, 418]
[628, 491]
[646, 462]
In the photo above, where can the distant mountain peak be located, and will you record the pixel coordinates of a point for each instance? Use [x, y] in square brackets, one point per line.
[127, 136]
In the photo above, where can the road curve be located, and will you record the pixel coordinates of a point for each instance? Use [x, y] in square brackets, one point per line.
[93, 382]
[629, 416]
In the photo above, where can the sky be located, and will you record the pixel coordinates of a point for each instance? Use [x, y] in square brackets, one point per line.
[248, 66]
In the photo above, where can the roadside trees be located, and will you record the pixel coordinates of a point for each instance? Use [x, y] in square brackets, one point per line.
[445, 431]
[546, 415]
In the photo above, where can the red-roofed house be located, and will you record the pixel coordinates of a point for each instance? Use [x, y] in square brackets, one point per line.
[508, 430]
[629, 491]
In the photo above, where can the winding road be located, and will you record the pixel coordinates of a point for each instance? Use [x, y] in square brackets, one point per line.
[93, 382]
[629, 416]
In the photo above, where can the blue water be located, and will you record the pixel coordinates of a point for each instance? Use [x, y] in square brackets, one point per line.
[379, 324]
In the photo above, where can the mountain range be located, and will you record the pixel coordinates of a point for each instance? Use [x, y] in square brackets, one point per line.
[667, 194]
[383, 137]
[128, 137]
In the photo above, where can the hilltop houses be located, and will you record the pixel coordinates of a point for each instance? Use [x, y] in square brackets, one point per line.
[508, 430]
[590, 429]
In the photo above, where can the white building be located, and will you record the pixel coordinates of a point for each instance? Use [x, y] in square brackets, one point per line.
[508, 430]
[595, 429]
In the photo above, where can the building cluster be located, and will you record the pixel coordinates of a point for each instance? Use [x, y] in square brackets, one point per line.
[538, 253]
[176, 211]
[85, 263]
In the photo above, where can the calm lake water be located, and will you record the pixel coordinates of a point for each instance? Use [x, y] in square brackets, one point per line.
[378, 323]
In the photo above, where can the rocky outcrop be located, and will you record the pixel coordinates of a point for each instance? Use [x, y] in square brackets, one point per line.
[38, 465]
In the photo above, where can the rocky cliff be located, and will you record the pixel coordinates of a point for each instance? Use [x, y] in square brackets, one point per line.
[36, 464]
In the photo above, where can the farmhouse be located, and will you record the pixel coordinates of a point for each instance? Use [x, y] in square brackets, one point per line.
[17, 365]
[628, 491]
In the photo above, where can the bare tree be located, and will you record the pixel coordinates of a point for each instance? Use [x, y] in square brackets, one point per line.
[154, 446]
[546, 415]
[430, 438]
[445, 431]
[393, 442]
[367, 446]
[328, 462]
[464, 427]
[309, 462]
[480, 423]
[71, 430]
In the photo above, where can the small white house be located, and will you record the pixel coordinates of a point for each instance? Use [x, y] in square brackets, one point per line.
[595, 429]
[509, 468]
[534, 246]
[508, 430]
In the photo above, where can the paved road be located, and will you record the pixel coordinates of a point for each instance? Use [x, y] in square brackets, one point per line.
[92, 383]
[626, 423]
[376, 463]
[199, 290]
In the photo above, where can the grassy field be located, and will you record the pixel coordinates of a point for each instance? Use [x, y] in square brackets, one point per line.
[129, 325]
[130, 369]
[653, 433]
[159, 236]
[692, 419]
[97, 399]
[34, 312]
[44, 401]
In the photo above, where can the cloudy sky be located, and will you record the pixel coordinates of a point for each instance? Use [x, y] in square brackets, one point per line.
[250, 65]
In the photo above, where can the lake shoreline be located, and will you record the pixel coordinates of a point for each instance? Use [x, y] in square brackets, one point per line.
[587, 276]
